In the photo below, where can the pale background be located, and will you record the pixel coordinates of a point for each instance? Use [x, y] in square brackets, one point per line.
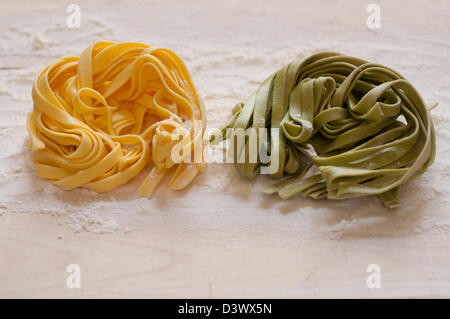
[221, 237]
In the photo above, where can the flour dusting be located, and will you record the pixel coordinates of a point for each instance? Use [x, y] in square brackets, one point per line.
[227, 61]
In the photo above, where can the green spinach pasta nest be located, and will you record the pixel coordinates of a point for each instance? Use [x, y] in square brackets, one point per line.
[338, 127]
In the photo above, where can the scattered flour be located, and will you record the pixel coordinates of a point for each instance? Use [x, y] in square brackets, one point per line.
[227, 61]
[310, 150]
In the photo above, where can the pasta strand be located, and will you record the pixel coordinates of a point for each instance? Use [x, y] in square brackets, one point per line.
[362, 128]
[100, 118]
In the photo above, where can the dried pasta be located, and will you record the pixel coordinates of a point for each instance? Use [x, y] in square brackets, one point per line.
[344, 128]
[100, 118]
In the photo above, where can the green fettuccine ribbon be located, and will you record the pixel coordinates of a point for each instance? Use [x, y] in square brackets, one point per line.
[360, 126]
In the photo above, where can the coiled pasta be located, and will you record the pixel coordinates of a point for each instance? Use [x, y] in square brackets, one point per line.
[361, 126]
[100, 118]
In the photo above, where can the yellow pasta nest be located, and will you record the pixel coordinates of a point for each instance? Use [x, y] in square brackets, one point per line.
[100, 118]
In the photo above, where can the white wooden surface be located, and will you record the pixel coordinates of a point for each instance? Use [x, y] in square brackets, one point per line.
[253, 262]
[273, 253]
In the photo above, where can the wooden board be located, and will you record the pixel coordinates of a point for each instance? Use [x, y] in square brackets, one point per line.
[277, 252]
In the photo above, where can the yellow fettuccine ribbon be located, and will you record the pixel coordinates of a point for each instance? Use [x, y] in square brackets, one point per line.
[100, 118]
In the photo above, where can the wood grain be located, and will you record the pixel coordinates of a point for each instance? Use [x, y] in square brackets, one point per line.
[245, 247]
[157, 263]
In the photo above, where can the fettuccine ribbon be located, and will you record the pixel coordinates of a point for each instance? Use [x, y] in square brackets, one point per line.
[100, 118]
[362, 126]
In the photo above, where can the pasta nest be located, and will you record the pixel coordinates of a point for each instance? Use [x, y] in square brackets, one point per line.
[100, 118]
[339, 127]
